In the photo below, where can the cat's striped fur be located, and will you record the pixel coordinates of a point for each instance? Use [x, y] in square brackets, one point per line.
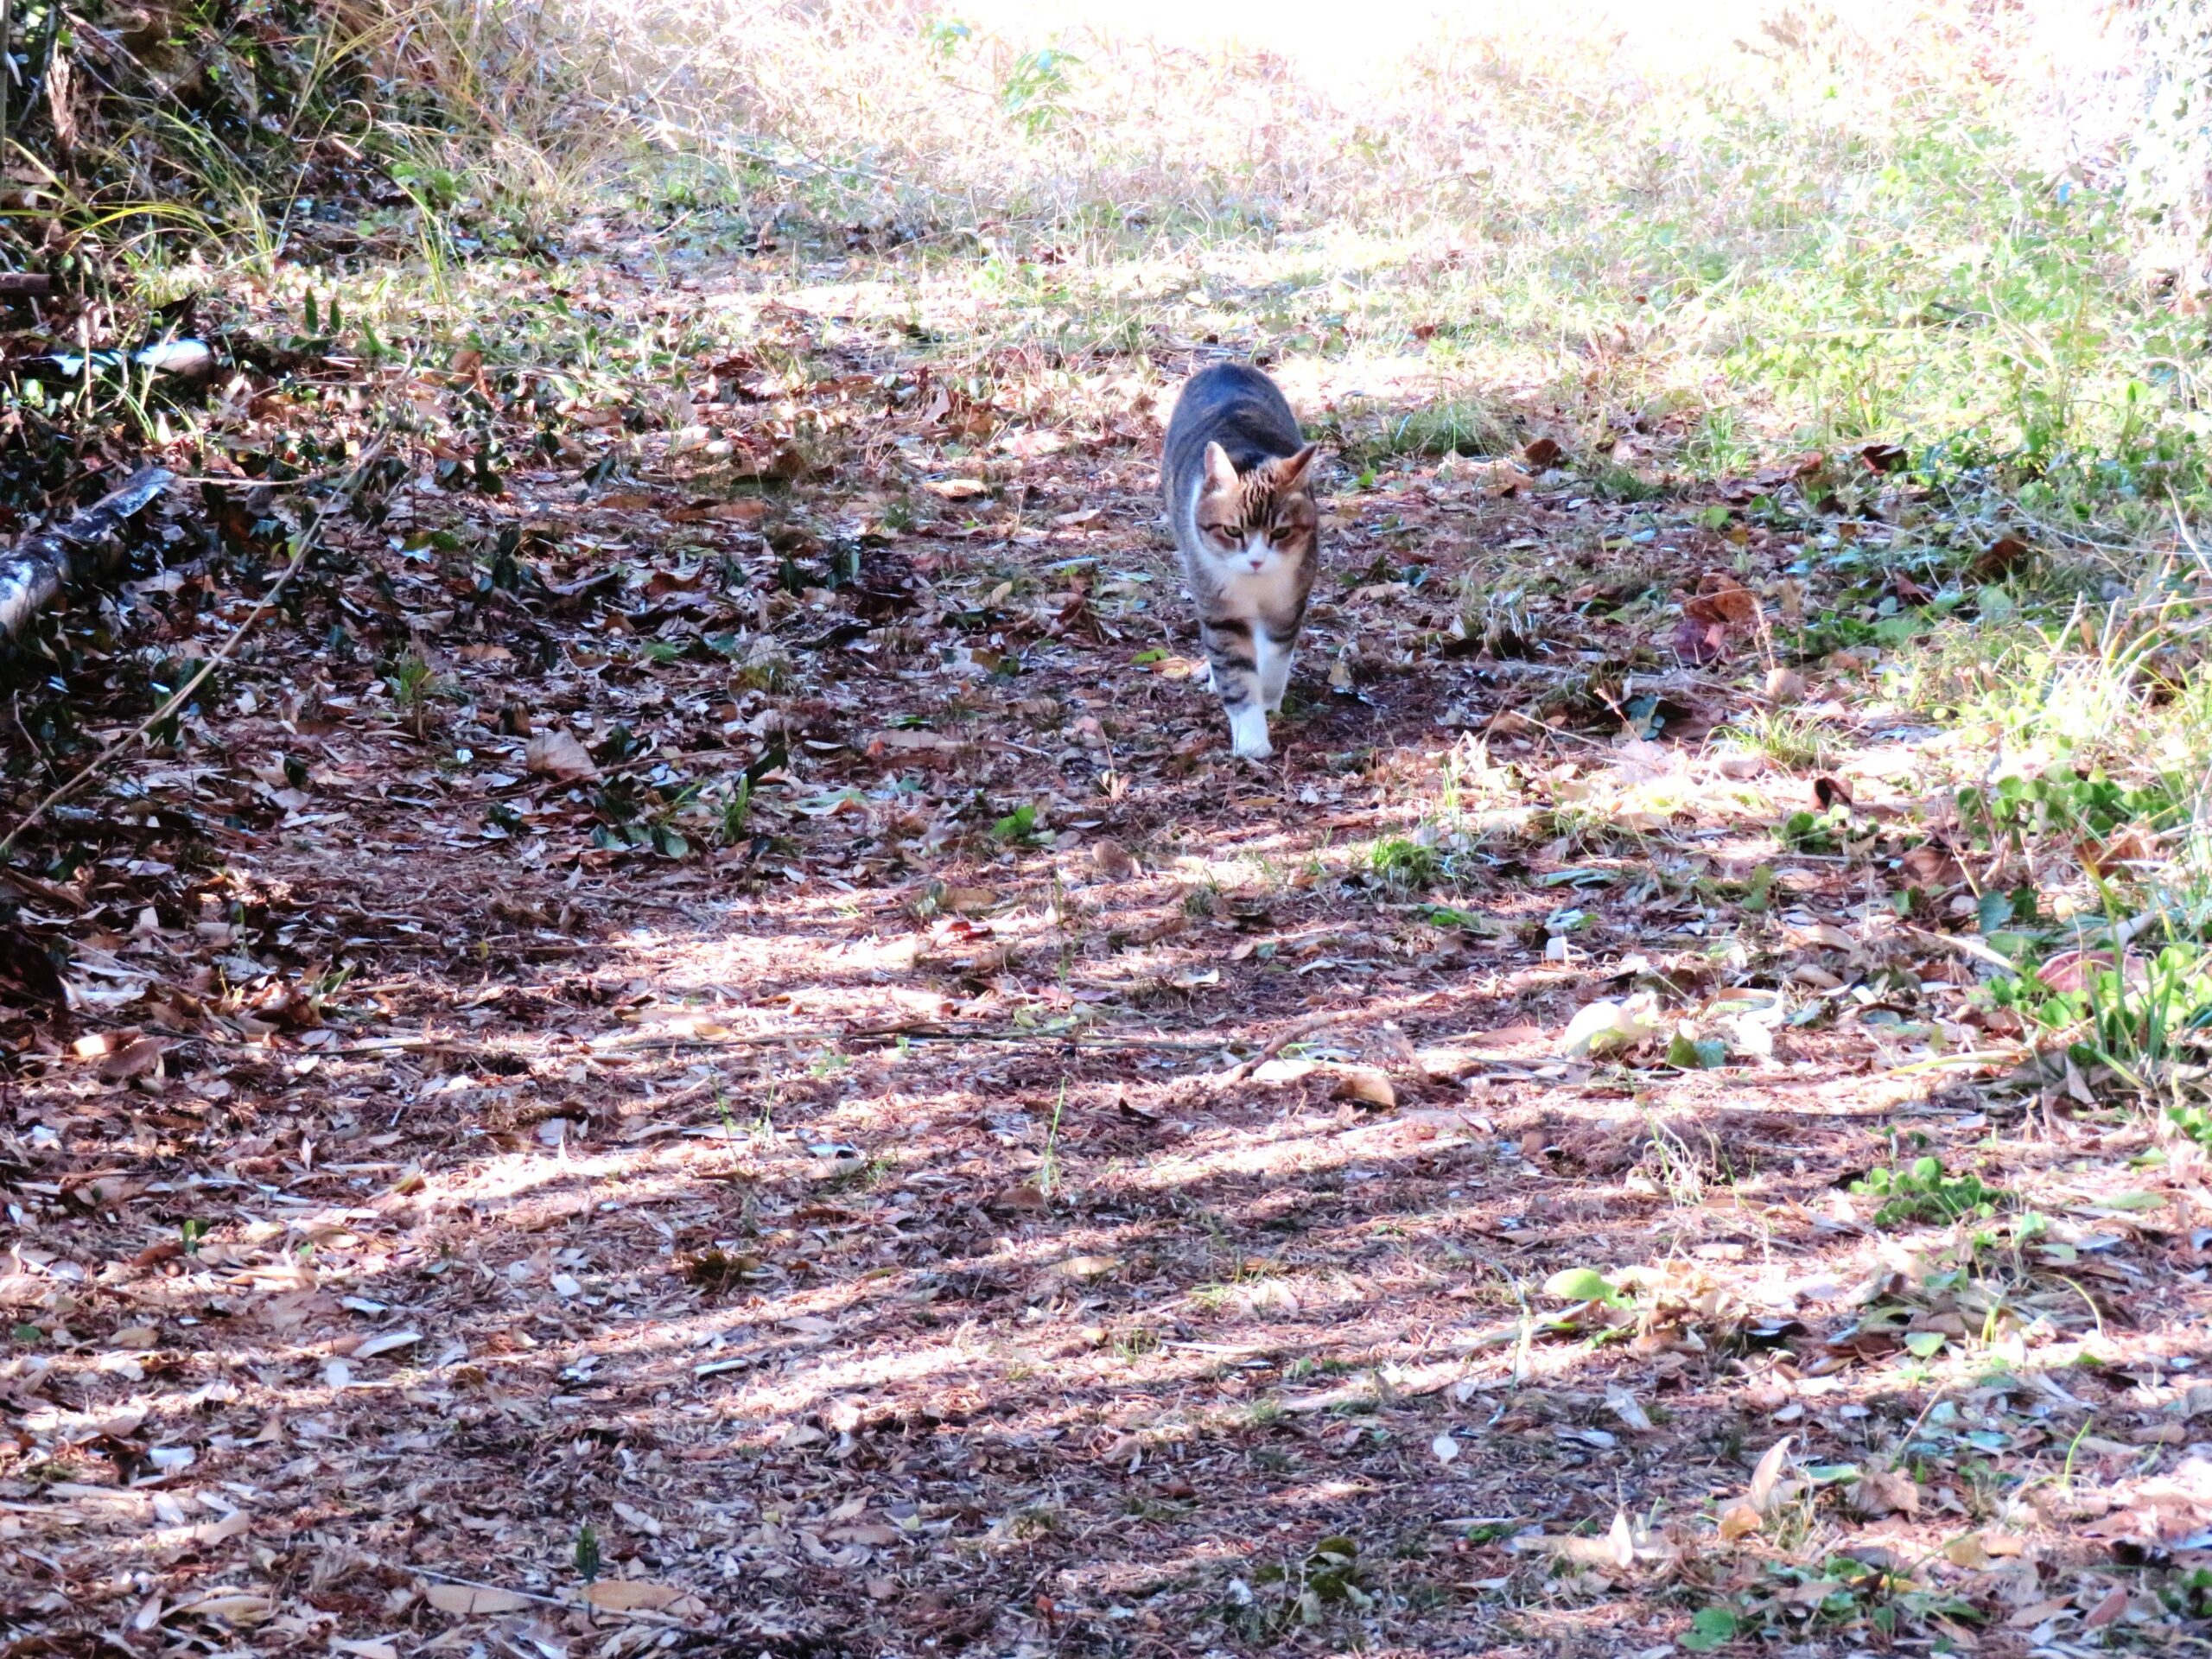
[1236, 473]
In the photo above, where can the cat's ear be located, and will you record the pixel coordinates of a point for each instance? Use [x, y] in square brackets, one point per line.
[1290, 472]
[1221, 474]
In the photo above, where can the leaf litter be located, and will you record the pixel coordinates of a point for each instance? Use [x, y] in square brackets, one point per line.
[701, 1047]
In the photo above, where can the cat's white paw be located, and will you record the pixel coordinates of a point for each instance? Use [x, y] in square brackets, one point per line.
[1248, 734]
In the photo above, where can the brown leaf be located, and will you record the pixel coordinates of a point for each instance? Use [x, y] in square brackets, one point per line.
[1884, 458]
[1542, 452]
[2112, 856]
[2106, 1611]
[28, 976]
[1765, 1478]
[1739, 1520]
[1367, 1085]
[473, 1601]
[559, 753]
[140, 1058]
[1112, 860]
[1885, 1491]
[631, 1595]
[1930, 865]
[1699, 642]
[1999, 556]
[1732, 603]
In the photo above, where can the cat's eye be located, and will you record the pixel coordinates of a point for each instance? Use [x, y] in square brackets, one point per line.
[1226, 535]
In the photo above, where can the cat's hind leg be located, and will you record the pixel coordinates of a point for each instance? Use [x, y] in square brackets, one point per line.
[1273, 648]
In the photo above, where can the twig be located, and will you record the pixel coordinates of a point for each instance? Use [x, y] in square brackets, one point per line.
[302, 546]
[1974, 947]
[919, 1034]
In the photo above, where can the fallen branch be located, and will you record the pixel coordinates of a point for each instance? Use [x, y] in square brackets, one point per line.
[917, 1034]
[302, 545]
[81, 552]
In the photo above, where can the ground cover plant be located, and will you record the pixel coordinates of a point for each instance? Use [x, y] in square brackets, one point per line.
[681, 1034]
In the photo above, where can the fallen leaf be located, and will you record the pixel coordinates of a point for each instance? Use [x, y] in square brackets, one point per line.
[1366, 1084]
[1878, 1492]
[2106, 1611]
[473, 1601]
[631, 1595]
[558, 753]
[1604, 1027]
[1111, 860]
[1732, 603]
[1089, 1266]
[1767, 1476]
[1622, 1404]
[140, 1058]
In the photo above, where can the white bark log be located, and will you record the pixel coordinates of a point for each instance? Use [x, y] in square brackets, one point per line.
[35, 571]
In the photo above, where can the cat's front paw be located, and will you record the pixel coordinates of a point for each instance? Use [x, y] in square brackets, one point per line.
[1248, 735]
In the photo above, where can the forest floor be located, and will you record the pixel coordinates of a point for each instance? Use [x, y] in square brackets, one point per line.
[709, 1053]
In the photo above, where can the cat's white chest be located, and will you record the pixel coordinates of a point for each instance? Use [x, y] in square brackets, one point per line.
[1270, 591]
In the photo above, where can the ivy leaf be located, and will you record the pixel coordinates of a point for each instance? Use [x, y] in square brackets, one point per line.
[1581, 1285]
[1712, 1627]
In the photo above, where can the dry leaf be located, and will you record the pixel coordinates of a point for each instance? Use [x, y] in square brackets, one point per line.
[1622, 1404]
[1730, 604]
[473, 1601]
[1739, 1520]
[1878, 1493]
[2106, 1611]
[631, 1595]
[1366, 1084]
[1112, 860]
[558, 753]
[1967, 1551]
[232, 1608]
[140, 1058]
[1765, 1478]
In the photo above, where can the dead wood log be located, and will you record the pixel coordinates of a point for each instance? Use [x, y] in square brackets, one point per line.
[76, 554]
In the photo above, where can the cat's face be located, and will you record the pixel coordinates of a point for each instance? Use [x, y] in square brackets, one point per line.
[1251, 522]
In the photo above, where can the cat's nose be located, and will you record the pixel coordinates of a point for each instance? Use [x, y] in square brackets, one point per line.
[1257, 563]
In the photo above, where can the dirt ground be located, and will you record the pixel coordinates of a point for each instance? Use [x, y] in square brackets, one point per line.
[1007, 1179]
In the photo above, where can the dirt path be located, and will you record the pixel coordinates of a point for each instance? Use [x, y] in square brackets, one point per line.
[1012, 1181]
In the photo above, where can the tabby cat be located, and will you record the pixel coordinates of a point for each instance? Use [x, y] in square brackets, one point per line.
[1236, 472]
